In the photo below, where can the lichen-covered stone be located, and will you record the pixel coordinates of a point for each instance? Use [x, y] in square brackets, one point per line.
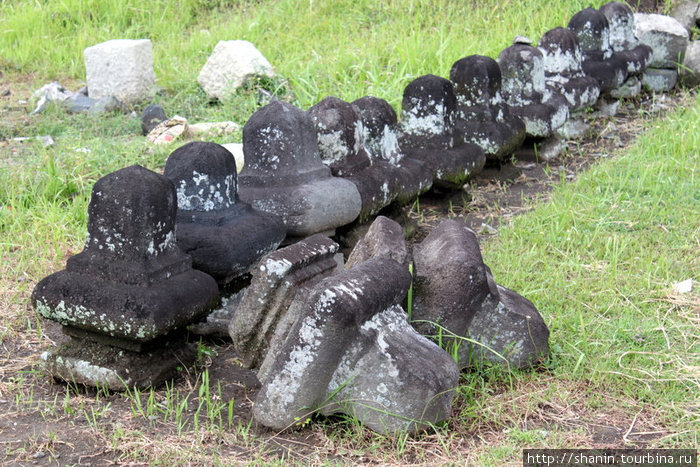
[284, 174]
[384, 238]
[223, 235]
[351, 350]
[659, 79]
[667, 38]
[280, 276]
[428, 131]
[481, 115]
[623, 38]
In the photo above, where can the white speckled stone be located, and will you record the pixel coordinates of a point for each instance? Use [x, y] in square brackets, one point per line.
[666, 37]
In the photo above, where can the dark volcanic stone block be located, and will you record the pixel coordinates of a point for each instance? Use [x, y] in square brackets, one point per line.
[428, 132]
[384, 238]
[224, 235]
[481, 115]
[284, 174]
[623, 39]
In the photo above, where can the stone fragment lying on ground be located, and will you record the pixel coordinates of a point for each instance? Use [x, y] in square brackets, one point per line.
[428, 132]
[168, 131]
[280, 276]
[122, 68]
[229, 66]
[381, 139]
[51, 92]
[206, 129]
[284, 174]
[131, 290]
[667, 38]
[481, 115]
[659, 79]
[351, 350]
[223, 235]
[455, 297]
[341, 135]
[151, 117]
[690, 71]
[384, 238]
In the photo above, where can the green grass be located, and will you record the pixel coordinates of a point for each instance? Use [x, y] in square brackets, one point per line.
[598, 260]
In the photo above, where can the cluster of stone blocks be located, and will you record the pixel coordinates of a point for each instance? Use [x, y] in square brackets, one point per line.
[164, 251]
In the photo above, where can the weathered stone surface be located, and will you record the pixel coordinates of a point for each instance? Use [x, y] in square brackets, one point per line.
[218, 322]
[223, 235]
[384, 238]
[592, 30]
[351, 350]
[687, 12]
[509, 330]
[449, 280]
[630, 88]
[522, 67]
[131, 281]
[481, 114]
[428, 132]
[151, 117]
[284, 174]
[168, 130]
[659, 80]
[690, 71]
[279, 277]
[209, 129]
[230, 65]
[667, 38]
[381, 140]
[623, 38]
[563, 69]
[122, 68]
[51, 92]
[341, 135]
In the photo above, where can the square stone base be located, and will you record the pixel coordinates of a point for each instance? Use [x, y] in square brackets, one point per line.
[85, 362]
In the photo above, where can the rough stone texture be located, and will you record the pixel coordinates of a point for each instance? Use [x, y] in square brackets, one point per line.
[481, 114]
[230, 65]
[659, 80]
[381, 140]
[218, 322]
[428, 132]
[687, 13]
[122, 68]
[284, 174]
[223, 235]
[665, 35]
[151, 117]
[168, 131]
[630, 88]
[384, 238]
[280, 276]
[690, 71]
[131, 281]
[563, 69]
[449, 279]
[524, 87]
[351, 350]
[341, 135]
[623, 38]
[509, 330]
[599, 59]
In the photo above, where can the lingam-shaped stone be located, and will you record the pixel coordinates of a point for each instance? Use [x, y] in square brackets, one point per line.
[522, 68]
[381, 140]
[599, 60]
[481, 114]
[224, 235]
[284, 174]
[455, 296]
[428, 131]
[341, 137]
[128, 294]
[352, 350]
[623, 37]
[384, 237]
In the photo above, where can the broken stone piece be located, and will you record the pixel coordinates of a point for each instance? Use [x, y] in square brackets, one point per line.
[229, 66]
[667, 38]
[168, 131]
[428, 132]
[278, 278]
[341, 143]
[131, 287]
[223, 235]
[481, 114]
[122, 68]
[659, 79]
[351, 350]
[384, 238]
[284, 174]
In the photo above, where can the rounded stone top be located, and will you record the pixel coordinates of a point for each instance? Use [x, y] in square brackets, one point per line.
[340, 135]
[428, 106]
[379, 121]
[204, 175]
[621, 23]
[280, 147]
[522, 67]
[131, 215]
[561, 52]
[476, 78]
[592, 31]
